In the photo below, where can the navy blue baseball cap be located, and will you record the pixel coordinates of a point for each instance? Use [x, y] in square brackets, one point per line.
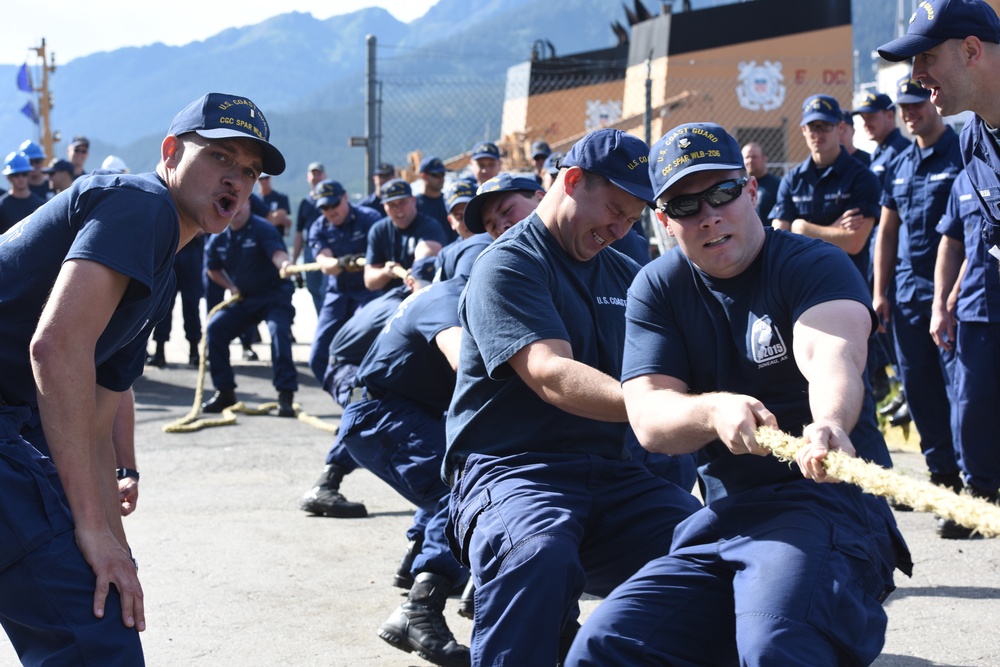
[224, 116]
[460, 192]
[937, 21]
[383, 169]
[500, 183]
[432, 165]
[395, 189]
[423, 269]
[553, 162]
[485, 149]
[691, 148]
[821, 107]
[328, 193]
[909, 91]
[540, 149]
[848, 116]
[59, 165]
[617, 156]
[875, 102]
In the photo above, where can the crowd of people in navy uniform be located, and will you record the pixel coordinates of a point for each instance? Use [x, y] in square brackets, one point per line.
[632, 470]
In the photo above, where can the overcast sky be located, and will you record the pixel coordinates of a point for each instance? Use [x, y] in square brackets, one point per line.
[74, 28]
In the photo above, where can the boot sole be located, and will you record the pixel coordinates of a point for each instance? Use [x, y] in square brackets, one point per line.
[404, 643]
[360, 513]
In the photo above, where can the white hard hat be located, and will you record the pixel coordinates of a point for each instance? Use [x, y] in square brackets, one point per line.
[115, 163]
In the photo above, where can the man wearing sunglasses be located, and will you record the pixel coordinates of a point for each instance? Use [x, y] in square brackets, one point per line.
[830, 195]
[543, 506]
[747, 326]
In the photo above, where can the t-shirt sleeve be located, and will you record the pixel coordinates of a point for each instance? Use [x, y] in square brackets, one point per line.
[654, 342]
[123, 228]
[376, 252]
[509, 306]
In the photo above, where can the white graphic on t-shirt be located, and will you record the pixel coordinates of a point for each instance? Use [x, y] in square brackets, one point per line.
[766, 343]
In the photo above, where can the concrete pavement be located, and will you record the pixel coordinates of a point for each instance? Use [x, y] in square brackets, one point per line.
[235, 574]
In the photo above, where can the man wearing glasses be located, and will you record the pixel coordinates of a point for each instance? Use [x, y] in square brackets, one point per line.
[77, 152]
[747, 326]
[830, 196]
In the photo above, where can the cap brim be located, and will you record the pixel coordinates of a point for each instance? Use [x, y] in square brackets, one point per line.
[715, 166]
[642, 192]
[273, 160]
[328, 201]
[906, 47]
[397, 198]
[829, 118]
[460, 200]
[911, 99]
[473, 213]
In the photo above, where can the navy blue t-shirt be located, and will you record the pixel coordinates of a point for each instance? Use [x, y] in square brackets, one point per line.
[353, 340]
[820, 196]
[634, 245]
[125, 222]
[246, 255]
[525, 288]
[14, 209]
[387, 242]
[308, 212]
[736, 335]
[348, 238]
[456, 259]
[405, 360]
[374, 202]
[434, 208]
[917, 185]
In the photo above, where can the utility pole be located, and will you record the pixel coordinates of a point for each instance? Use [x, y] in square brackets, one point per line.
[372, 120]
[47, 138]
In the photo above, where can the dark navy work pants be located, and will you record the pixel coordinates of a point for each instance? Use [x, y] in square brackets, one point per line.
[46, 586]
[403, 445]
[537, 530]
[791, 574]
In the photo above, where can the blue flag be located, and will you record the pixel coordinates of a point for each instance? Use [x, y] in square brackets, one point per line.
[24, 79]
[29, 111]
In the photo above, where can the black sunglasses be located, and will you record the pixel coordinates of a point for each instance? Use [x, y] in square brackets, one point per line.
[719, 194]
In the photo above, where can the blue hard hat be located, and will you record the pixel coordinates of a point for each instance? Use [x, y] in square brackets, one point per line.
[31, 150]
[16, 164]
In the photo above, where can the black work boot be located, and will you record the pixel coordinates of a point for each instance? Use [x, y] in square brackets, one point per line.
[403, 578]
[419, 625]
[324, 499]
[158, 358]
[222, 399]
[194, 357]
[946, 528]
[286, 408]
[467, 603]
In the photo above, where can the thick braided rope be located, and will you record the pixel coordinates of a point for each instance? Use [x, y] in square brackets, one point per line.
[190, 422]
[966, 510]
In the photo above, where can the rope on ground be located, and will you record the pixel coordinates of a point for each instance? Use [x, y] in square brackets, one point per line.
[190, 422]
[974, 513]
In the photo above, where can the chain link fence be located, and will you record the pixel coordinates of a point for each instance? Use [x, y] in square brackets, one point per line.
[559, 100]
